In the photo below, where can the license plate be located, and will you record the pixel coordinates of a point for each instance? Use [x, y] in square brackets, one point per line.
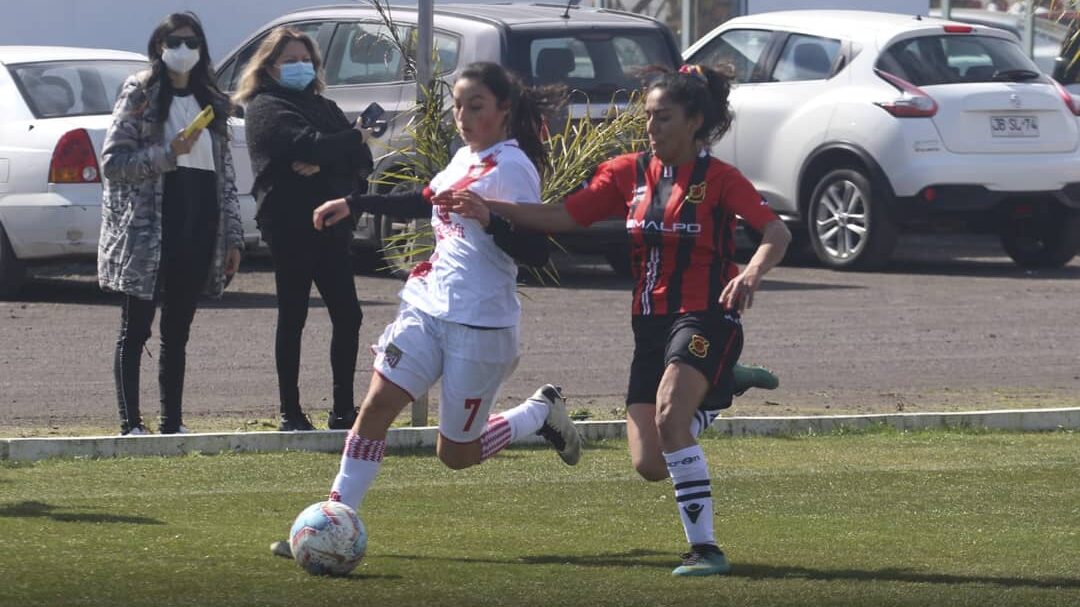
[1014, 126]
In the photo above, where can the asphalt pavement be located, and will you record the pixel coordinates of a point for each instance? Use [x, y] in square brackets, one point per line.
[951, 325]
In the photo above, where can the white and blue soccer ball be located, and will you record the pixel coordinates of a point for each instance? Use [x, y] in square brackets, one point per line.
[328, 538]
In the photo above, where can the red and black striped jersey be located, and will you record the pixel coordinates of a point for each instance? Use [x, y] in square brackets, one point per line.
[681, 221]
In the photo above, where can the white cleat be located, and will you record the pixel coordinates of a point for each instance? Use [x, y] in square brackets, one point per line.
[281, 548]
[558, 428]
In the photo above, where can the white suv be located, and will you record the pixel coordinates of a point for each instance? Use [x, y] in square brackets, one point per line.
[857, 124]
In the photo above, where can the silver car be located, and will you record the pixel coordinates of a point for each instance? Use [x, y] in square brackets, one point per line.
[595, 52]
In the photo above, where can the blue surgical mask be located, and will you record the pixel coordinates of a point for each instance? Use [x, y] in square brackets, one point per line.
[297, 76]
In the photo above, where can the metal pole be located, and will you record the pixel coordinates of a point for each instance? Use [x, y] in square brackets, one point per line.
[686, 18]
[424, 43]
[1029, 27]
[420, 411]
[424, 50]
[946, 9]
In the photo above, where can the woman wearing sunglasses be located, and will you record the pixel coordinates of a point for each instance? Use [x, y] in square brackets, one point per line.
[170, 228]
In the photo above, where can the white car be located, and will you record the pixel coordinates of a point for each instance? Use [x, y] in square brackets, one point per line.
[855, 125]
[55, 105]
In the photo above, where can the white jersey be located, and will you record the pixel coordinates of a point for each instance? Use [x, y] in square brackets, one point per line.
[469, 279]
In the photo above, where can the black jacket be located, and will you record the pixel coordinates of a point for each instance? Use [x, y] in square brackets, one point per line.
[284, 126]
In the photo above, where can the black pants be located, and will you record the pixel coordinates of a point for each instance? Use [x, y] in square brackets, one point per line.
[189, 233]
[300, 260]
[177, 312]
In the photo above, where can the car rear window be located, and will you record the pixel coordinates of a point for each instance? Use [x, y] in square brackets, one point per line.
[595, 65]
[956, 58]
[55, 89]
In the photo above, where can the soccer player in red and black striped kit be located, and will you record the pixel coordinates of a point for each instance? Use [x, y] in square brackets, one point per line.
[680, 206]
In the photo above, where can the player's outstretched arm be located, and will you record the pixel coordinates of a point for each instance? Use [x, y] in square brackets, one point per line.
[539, 217]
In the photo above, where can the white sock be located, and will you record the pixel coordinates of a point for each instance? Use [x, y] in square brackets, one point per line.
[702, 420]
[360, 462]
[506, 427]
[526, 418]
[693, 495]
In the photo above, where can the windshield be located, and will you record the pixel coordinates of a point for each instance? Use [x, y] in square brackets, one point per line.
[596, 66]
[72, 88]
[954, 58]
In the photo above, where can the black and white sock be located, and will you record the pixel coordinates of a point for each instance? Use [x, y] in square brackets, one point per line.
[693, 493]
[702, 420]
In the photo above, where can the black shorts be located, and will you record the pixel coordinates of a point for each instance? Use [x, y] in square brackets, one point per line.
[710, 342]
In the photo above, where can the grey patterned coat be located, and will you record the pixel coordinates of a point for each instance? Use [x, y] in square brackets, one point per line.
[135, 158]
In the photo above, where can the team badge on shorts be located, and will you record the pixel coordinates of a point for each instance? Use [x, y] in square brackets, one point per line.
[696, 193]
[699, 346]
[392, 355]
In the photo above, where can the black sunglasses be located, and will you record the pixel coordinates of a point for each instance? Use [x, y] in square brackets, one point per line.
[192, 42]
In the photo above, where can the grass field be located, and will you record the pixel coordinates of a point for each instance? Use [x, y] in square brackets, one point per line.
[881, 518]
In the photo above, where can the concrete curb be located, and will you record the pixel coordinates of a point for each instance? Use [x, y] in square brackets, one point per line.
[330, 441]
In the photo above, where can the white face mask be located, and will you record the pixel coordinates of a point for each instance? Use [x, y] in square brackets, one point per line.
[181, 59]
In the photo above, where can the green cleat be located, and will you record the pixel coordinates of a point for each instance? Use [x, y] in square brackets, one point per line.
[753, 376]
[703, 559]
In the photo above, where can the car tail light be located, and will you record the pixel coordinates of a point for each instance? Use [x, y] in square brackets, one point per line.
[73, 159]
[913, 103]
[1067, 97]
[959, 29]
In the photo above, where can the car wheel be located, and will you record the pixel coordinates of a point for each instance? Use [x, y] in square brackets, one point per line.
[1049, 240]
[12, 271]
[847, 222]
[403, 243]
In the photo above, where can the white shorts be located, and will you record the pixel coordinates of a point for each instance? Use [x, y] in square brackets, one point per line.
[417, 349]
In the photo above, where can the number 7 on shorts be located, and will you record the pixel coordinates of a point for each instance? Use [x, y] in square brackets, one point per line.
[472, 405]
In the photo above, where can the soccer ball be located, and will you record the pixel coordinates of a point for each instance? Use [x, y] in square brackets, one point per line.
[328, 538]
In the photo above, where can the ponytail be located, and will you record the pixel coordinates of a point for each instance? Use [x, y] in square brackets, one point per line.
[700, 90]
[530, 108]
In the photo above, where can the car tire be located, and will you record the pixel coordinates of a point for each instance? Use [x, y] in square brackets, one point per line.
[398, 254]
[847, 222]
[12, 271]
[1049, 240]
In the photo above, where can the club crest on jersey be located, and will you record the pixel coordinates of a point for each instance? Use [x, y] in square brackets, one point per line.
[696, 193]
[392, 355]
[699, 346]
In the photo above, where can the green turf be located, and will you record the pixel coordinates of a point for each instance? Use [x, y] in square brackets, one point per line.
[878, 518]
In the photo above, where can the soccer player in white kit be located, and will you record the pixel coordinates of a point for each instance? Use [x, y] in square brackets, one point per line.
[459, 311]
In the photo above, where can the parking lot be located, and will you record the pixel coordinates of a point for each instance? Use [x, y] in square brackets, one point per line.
[952, 325]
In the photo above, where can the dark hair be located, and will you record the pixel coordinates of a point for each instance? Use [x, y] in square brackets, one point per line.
[530, 106]
[202, 81]
[700, 90]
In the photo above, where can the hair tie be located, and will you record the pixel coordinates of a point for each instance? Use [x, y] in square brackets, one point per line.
[694, 70]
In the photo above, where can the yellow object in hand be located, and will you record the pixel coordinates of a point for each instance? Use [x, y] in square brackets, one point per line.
[205, 117]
